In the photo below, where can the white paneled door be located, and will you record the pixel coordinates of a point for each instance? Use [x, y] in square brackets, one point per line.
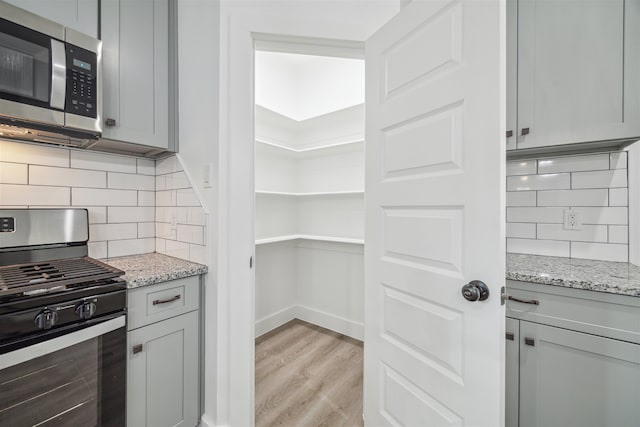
[435, 212]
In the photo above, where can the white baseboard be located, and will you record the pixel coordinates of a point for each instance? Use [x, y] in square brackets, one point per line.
[330, 321]
[274, 320]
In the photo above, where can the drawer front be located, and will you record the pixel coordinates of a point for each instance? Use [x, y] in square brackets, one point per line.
[154, 303]
[597, 313]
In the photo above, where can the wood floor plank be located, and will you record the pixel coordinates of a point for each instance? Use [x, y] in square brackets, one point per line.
[308, 376]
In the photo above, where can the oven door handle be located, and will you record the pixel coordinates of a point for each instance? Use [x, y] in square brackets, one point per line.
[59, 343]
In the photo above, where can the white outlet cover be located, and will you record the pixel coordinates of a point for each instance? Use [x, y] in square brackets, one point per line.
[572, 220]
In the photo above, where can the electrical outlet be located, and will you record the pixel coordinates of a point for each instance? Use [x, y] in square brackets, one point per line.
[572, 220]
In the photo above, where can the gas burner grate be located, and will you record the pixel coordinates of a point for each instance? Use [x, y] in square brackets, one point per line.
[55, 274]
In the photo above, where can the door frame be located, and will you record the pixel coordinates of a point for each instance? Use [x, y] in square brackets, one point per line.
[234, 385]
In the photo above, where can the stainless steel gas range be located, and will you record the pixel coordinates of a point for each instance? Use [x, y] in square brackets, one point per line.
[62, 324]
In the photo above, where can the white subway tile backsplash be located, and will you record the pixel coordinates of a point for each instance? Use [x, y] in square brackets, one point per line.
[11, 194]
[99, 232]
[177, 180]
[618, 160]
[539, 247]
[598, 197]
[118, 214]
[190, 233]
[128, 181]
[165, 230]
[146, 198]
[592, 162]
[535, 214]
[521, 198]
[166, 198]
[196, 216]
[161, 245]
[103, 162]
[18, 152]
[146, 229]
[47, 175]
[619, 234]
[521, 167]
[187, 198]
[618, 197]
[118, 248]
[13, 173]
[146, 166]
[177, 249]
[587, 233]
[594, 185]
[98, 249]
[102, 197]
[168, 165]
[600, 251]
[559, 181]
[521, 230]
[611, 215]
[599, 179]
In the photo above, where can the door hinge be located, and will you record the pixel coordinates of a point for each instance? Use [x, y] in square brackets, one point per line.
[250, 262]
[503, 295]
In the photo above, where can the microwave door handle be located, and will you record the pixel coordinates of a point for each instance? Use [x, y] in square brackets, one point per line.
[58, 74]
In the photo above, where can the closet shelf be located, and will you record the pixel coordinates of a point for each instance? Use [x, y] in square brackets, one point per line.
[310, 149]
[310, 237]
[319, 193]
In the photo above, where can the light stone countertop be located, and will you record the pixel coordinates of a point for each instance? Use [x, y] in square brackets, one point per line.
[603, 276]
[153, 268]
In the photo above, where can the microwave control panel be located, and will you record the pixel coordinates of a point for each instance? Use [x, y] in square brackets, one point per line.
[82, 82]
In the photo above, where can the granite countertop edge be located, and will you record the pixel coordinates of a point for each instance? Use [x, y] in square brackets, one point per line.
[153, 268]
[600, 276]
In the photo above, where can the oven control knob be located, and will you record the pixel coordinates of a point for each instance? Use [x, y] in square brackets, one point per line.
[46, 319]
[85, 310]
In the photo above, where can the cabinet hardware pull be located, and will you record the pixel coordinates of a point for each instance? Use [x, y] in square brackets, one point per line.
[510, 336]
[524, 301]
[509, 133]
[137, 348]
[529, 341]
[110, 122]
[525, 131]
[165, 301]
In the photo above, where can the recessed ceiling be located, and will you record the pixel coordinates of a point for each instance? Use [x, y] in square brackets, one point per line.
[305, 86]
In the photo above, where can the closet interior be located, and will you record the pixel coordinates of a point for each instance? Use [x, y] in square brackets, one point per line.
[309, 183]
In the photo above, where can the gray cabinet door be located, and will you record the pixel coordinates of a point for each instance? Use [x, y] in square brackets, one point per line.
[578, 67]
[81, 15]
[512, 372]
[570, 379]
[163, 374]
[135, 36]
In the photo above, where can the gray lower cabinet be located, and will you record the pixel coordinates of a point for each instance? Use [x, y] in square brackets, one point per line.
[572, 359]
[163, 355]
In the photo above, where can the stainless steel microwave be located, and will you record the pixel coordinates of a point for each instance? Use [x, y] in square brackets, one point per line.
[50, 80]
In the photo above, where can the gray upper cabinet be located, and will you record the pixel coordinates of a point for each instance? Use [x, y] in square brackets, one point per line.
[81, 15]
[578, 71]
[512, 73]
[136, 39]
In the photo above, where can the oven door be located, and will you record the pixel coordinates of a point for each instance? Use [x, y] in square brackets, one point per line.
[32, 74]
[77, 379]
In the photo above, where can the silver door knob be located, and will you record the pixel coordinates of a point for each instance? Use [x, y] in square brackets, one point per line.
[475, 290]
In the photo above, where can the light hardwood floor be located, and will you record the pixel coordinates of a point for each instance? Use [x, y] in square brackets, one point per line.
[308, 376]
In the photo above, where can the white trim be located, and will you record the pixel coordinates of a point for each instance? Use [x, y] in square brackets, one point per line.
[331, 321]
[319, 193]
[277, 239]
[279, 318]
[306, 150]
[60, 343]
